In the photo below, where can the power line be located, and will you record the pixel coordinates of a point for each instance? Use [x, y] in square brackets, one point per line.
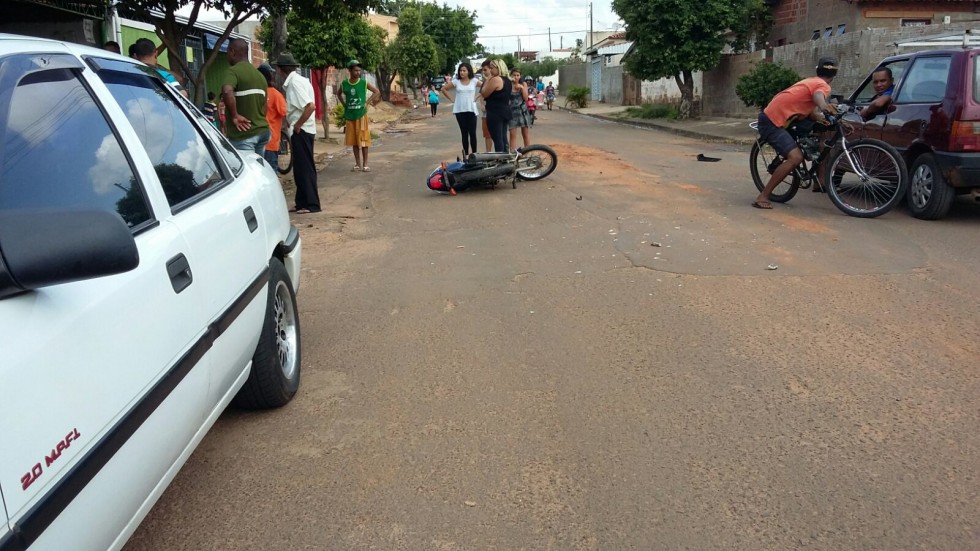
[529, 34]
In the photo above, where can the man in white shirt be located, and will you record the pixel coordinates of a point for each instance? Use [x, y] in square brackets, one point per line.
[301, 126]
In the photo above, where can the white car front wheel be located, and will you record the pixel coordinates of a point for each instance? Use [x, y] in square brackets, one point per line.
[276, 364]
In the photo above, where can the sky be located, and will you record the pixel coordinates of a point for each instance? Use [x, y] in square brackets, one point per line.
[503, 21]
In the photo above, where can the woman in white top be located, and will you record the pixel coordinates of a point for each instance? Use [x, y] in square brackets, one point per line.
[464, 104]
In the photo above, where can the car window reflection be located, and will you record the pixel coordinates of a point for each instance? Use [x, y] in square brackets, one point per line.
[60, 152]
[178, 152]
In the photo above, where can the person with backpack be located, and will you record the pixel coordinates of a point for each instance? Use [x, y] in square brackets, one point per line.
[433, 100]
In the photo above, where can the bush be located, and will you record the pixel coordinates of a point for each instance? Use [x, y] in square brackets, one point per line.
[653, 111]
[765, 80]
[578, 96]
[338, 115]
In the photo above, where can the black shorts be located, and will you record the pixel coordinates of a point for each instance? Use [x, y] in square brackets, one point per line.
[779, 138]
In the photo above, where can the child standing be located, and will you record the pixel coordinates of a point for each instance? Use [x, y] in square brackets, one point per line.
[210, 110]
[433, 100]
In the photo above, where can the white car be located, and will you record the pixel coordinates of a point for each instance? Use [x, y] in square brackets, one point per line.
[147, 279]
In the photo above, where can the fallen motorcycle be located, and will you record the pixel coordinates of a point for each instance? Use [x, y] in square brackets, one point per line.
[486, 170]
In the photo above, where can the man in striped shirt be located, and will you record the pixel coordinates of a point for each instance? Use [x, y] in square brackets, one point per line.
[243, 91]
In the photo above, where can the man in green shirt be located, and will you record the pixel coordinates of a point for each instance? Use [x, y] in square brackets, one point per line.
[243, 92]
[353, 95]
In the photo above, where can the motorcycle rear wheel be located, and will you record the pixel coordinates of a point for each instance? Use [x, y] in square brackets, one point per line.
[536, 162]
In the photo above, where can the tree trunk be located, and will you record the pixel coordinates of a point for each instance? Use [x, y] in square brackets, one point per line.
[327, 114]
[685, 81]
[279, 36]
[386, 77]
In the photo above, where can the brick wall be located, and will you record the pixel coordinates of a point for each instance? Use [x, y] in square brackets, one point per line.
[858, 53]
[796, 20]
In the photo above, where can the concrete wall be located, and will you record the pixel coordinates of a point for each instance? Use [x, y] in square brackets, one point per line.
[665, 90]
[573, 74]
[858, 53]
[612, 85]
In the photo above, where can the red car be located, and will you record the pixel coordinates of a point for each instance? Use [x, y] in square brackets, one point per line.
[933, 119]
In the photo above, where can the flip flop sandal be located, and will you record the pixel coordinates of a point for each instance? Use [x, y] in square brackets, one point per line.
[762, 205]
[356, 169]
[366, 169]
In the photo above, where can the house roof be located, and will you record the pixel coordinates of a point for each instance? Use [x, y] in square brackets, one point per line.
[611, 40]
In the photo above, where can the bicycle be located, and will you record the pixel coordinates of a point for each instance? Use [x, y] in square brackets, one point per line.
[285, 163]
[864, 178]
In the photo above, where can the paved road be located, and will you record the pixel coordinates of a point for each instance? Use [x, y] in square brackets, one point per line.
[521, 369]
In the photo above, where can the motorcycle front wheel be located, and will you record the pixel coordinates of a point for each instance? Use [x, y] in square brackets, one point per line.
[536, 162]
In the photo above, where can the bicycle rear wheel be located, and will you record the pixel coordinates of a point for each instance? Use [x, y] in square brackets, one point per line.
[867, 179]
[285, 155]
[762, 161]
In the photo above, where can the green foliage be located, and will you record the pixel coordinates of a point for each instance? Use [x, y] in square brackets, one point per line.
[578, 96]
[454, 32]
[751, 24]
[413, 53]
[544, 68]
[653, 111]
[318, 43]
[338, 115]
[765, 80]
[672, 36]
[452, 29]
[173, 32]
[509, 59]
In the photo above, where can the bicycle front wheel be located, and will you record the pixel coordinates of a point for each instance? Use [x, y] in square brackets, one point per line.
[285, 156]
[763, 160]
[867, 178]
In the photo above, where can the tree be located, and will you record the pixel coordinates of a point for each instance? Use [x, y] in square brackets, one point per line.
[454, 32]
[319, 43]
[386, 72]
[172, 33]
[538, 69]
[751, 25]
[452, 29]
[675, 38]
[414, 53]
[765, 80]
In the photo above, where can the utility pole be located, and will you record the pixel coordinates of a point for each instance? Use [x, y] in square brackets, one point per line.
[549, 39]
[518, 47]
[590, 24]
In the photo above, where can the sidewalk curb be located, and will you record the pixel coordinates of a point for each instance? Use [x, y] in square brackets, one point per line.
[666, 128]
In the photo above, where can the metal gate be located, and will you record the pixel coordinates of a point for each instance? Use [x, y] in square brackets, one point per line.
[597, 78]
[193, 55]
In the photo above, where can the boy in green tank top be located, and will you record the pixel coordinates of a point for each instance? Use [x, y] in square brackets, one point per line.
[353, 95]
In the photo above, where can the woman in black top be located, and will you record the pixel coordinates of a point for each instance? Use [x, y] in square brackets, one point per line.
[496, 93]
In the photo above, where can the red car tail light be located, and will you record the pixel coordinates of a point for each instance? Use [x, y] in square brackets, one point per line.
[965, 136]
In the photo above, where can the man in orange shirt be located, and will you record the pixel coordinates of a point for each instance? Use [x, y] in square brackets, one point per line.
[275, 111]
[809, 97]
